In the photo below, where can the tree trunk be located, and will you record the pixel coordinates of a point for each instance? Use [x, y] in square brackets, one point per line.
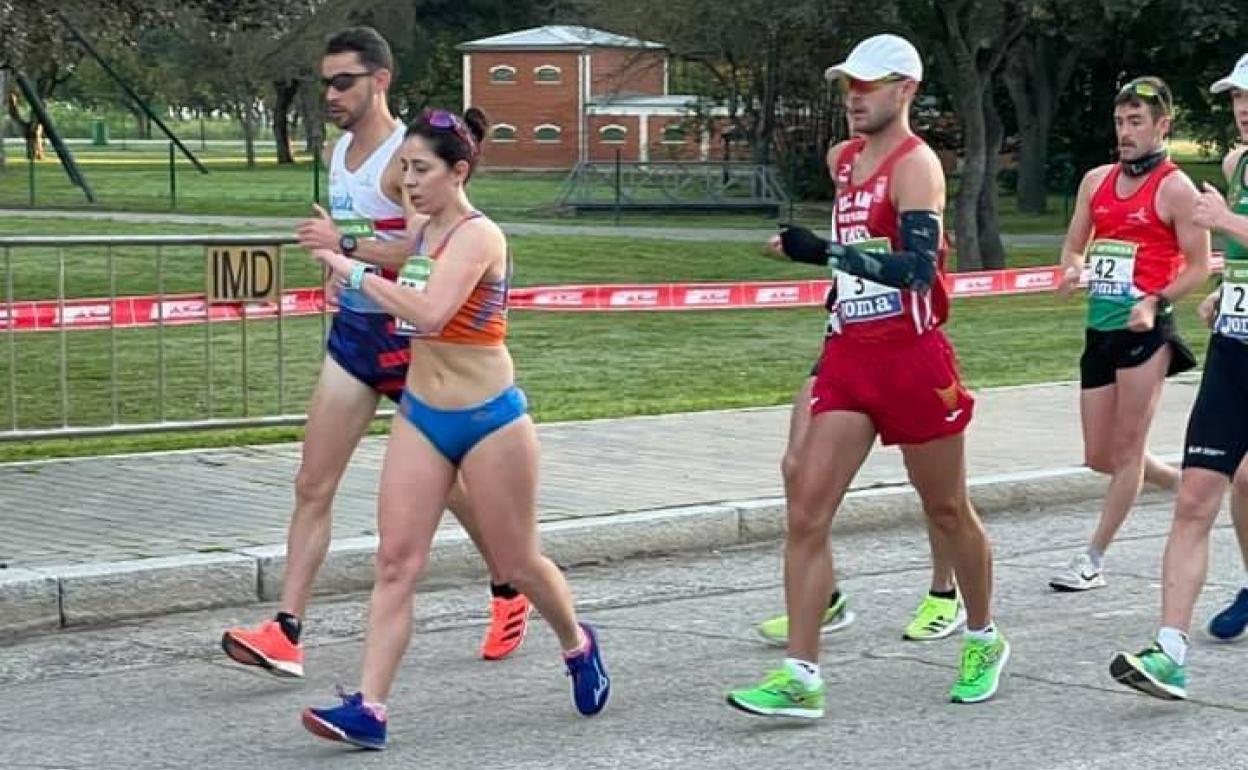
[1036, 78]
[286, 92]
[142, 123]
[767, 120]
[992, 251]
[310, 104]
[246, 115]
[1033, 165]
[970, 100]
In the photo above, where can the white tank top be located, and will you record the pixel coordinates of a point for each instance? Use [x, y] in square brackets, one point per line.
[360, 207]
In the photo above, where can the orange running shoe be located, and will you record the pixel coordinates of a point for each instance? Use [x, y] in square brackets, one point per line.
[509, 622]
[265, 646]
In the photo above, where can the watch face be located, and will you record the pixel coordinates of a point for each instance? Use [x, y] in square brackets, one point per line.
[348, 243]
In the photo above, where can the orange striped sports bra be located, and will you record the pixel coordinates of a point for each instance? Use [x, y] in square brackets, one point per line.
[482, 319]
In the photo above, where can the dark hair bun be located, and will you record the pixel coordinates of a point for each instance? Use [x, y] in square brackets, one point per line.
[477, 122]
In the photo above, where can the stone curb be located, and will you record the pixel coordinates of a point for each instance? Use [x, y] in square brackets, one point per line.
[46, 598]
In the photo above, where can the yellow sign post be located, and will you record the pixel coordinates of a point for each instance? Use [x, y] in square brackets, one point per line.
[242, 273]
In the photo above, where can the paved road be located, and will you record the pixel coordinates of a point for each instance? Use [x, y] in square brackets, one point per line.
[677, 633]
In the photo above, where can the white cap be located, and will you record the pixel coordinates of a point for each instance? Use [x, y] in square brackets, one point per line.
[878, 57]
[1237, 79]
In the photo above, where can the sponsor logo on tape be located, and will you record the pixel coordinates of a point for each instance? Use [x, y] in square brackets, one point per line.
[179, 310]
[85, 314]
[708, 296]
[635, 298]
[778, 295]
[559, 298]
[973, 284]
[1040, 279]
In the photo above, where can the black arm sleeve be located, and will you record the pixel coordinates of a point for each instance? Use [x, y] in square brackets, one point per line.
[914, 267]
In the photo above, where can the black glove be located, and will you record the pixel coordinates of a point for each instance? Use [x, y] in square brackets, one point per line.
[801, 245]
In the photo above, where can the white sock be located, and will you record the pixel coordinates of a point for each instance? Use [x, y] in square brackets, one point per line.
[803, 671]
[1173, 642]
[1245, 579]
[986, 634]
[1097, 558]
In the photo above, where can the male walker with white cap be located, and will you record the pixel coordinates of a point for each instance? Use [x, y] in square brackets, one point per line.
[1216, 447]
[887, 369]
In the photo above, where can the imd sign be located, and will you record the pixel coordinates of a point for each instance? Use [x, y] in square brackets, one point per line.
[242, 273]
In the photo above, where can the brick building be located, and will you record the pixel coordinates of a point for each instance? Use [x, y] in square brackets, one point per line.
[560, 95]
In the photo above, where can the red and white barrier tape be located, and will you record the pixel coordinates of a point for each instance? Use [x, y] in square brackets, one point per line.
[131, 312]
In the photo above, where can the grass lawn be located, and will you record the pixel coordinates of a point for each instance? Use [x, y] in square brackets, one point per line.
[138, 180]
[539, 260]
[574, 366]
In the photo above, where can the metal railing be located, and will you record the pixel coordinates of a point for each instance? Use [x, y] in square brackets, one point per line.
[671, 184]
[102, 380]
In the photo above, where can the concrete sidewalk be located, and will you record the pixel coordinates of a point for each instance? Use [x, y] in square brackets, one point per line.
[100, 539]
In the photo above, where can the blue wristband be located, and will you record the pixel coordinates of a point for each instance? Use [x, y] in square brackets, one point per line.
[358, 271]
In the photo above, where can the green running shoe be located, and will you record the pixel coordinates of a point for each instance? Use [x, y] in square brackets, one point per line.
[935, 619]
[780, 695]
[835, 618]
[980, 675]
[1152, 672]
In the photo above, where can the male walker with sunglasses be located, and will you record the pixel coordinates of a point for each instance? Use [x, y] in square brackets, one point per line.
[886, 369]
[1133, 225]
[368, 220]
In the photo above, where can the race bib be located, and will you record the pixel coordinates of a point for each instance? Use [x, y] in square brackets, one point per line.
[360, 228]
[858, 299]
[414, 275]
[350, 223]
[1112, 270]
[1233, 309]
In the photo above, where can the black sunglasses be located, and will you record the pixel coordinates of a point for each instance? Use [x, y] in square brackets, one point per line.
[343, 80]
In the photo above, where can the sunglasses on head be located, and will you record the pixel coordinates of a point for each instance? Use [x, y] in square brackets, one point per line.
[1143, 89]
[449, 121]
[343, 80]
[868, 86]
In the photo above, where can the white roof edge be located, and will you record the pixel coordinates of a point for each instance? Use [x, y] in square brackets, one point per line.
[558, 37]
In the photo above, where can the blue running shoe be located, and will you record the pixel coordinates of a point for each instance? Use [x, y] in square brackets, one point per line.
[591, 687]
[351, 722]
[1230, 624]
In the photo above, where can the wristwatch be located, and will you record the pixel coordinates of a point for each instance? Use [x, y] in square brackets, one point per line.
[1164, 305]
[347, 244]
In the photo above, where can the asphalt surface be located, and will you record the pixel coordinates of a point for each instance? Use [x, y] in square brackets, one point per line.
[677, 633]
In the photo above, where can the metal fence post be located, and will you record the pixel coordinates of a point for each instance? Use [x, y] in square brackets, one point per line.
[173, 179]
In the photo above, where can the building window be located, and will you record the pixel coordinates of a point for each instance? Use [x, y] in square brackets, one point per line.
[503, 133]
[502, 73]
[612, 134]
[674, 134]
[548, 73]
[548, 133]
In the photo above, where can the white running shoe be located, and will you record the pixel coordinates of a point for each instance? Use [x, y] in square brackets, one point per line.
[1079, 575]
